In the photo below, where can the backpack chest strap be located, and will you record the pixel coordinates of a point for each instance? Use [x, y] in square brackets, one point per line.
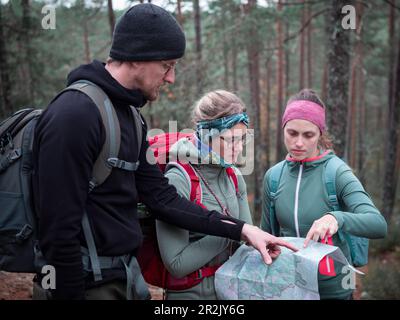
[122, 164]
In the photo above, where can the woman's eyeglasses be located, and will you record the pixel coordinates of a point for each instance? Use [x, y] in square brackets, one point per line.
[235, 140]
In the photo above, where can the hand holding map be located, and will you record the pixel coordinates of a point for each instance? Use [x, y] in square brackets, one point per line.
[292, 276]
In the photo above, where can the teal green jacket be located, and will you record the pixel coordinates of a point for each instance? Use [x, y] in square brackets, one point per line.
[359, 216]
[184, 252]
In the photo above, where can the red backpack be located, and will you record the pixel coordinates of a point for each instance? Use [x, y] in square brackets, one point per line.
[149, 258]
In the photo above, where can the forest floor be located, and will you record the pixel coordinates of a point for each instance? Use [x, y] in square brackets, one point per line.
[18, 286]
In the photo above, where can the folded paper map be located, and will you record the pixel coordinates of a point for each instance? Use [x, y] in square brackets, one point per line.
[292, 276]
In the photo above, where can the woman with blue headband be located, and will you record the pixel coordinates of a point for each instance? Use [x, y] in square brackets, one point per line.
[221, 132]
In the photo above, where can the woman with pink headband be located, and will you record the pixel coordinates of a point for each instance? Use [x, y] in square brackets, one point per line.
[315, 195]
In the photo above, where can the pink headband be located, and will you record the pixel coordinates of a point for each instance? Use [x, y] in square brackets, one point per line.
[305, 110]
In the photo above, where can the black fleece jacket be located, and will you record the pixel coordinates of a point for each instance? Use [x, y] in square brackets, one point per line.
[68, 140]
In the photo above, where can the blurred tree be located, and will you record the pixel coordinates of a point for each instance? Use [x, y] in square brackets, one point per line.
[111, 16]
[390, 182]
[280, 82]
[338, 75]
[253, 63]
[302, 59]
[197, 25]
[309, 47]
[26, 50]
[5, 88]
[353, 112]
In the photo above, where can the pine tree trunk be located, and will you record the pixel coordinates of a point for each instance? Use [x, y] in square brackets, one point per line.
[234, 62]
[309, 49]
[389, 188]
[392, 52]
[324, 82]
[25, 39]
[197, 26]
[265, 116]
[180, 17]
[359, 116]
[301, 49]
[362, 128]
[5, 90]
[225, 48]
[252, 47]
[351, 119]
[353, 114]
[338, 75]
[287, 62]
[111, 17]
[86, 41]
[280, 83]
[235, 12]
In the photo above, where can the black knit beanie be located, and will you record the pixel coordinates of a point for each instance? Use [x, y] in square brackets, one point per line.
[147, 32]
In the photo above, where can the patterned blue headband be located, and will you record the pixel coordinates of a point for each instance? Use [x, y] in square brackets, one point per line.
[210, 128]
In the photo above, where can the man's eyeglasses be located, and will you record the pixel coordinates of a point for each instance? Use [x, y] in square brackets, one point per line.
[168, 66]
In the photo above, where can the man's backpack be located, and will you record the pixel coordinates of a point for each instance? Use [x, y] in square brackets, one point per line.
[153, 269]
[19, 251]
[358, 246]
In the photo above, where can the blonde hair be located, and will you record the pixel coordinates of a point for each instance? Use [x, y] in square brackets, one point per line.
[217, 104]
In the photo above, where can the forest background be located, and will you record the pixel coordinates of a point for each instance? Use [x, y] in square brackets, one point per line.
[264, 51]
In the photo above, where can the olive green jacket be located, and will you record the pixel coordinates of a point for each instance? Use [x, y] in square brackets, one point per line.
[184, 252]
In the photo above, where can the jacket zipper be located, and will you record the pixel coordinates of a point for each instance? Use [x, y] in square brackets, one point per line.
[296, 202]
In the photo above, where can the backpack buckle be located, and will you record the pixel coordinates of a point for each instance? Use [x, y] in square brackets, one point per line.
[2, 147]
[92, 185]
[14, 155]
[113, 162]
[333, 200]
[122, 164]
[24, 234]
[10, 140]
[4, 141]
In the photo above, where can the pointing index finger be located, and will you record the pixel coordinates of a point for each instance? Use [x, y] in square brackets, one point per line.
[288, 245]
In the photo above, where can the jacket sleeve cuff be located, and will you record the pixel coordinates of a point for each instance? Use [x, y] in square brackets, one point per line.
[339, 217]
[232, 230]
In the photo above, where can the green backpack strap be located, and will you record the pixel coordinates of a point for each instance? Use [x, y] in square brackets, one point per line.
[358, 246]
[331, 168]
[274, 179]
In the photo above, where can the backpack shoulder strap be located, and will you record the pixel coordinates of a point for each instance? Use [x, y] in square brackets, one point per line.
[330, 171]
[358, 246]
[139, 127]
[108, 157]
[9, 125]
[274, 179]
[110, 149]
[196, 192]
[232, 175]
